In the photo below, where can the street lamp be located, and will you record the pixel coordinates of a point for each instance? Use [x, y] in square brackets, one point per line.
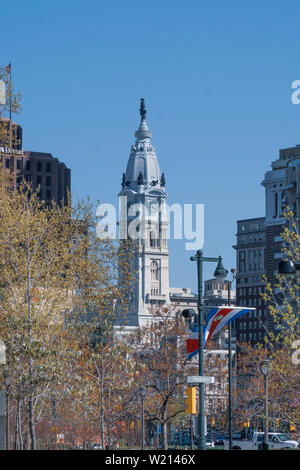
[143, 395]
[221, 272]
[265, 367]
[287, 267]
[200, 259]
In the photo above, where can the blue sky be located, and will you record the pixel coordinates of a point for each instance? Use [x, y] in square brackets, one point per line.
[216, 77]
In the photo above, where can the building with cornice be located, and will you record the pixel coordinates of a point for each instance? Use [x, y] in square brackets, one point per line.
[259, 243]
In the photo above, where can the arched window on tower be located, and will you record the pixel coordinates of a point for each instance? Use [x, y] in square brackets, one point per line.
[154, 268]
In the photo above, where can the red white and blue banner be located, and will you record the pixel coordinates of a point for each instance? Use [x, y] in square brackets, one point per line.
[192, 343]
[218, 317]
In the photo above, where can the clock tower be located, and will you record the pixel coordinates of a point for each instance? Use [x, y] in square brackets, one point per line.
[143, 198]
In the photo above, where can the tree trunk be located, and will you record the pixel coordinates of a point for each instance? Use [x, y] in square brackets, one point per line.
[102, 408]
[164, 430]
[31, 425]
[19, 445]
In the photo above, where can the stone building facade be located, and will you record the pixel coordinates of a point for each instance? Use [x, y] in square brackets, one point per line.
[143, 218]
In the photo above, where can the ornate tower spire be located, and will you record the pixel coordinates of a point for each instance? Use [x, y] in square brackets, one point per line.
[144, 185]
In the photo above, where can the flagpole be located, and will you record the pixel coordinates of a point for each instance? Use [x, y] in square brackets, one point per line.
[201, 412]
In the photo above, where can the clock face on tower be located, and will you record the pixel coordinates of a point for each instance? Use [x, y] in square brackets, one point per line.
[153, 207]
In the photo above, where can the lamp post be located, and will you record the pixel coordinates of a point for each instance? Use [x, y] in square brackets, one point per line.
[201, 418]
[265, 369]
[143, 394]
[218, 273]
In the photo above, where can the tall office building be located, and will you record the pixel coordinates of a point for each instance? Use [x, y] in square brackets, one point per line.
[250, 255]
[46, 173]
[282, 188]
[259, 243]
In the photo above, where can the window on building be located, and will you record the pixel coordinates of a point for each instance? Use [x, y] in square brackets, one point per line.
[154, 269]
[48, 194]
[39, 180]
[19, 164]
[48, 167]
[39, 166]
[275, 204]
[153, 239]
[48, 180]
[7, 163]
[28, 165]
[242, 261]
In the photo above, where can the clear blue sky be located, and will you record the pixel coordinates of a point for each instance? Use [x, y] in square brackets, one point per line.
[216, 77]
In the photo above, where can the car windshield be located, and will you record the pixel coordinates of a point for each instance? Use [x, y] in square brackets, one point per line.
[283, 437]
[260, 437]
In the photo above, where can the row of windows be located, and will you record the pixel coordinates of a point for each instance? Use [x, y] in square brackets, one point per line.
[29, 165]
[251, 238]
[251, 302]
[29, 178]
[249, 325]
[154, 240]
[252, 226]
[255, 313]
[243, 291]
[155, 291]
[248, 280]
[251, 336]
[39, 166]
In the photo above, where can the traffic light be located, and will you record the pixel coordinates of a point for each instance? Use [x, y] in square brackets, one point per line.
[191, 400]
[213, 421]
[277, 422]
[292, 427]
[246, 424]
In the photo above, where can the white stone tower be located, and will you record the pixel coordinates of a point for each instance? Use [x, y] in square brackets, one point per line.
[143, 195]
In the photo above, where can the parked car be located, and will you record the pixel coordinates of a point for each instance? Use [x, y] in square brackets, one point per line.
[209, 442]
[276, 441]
[219, 441]
[96, 446]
